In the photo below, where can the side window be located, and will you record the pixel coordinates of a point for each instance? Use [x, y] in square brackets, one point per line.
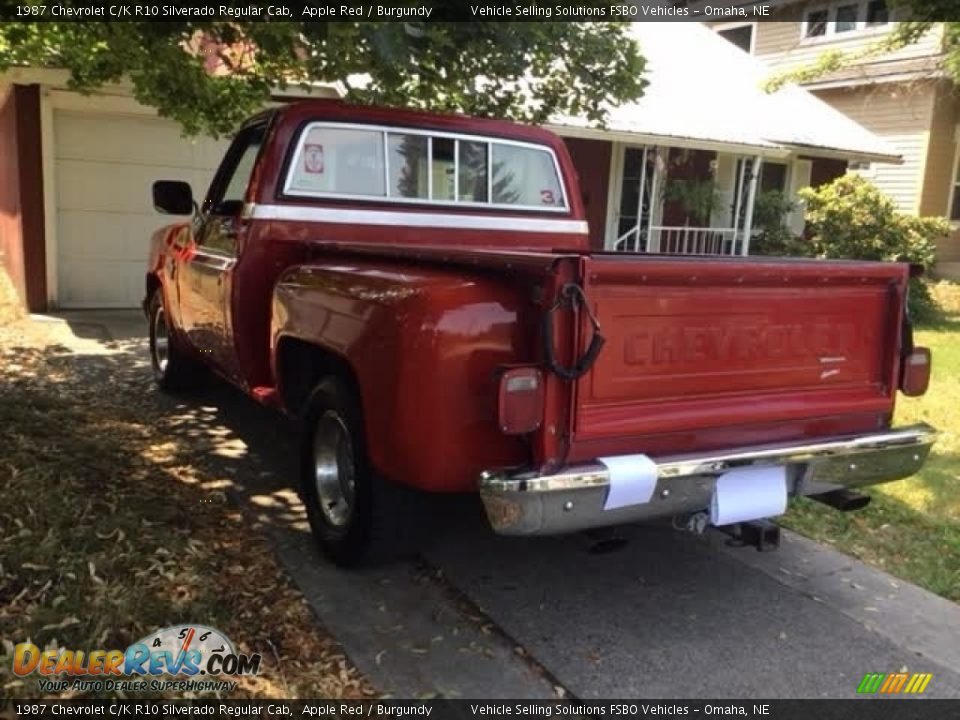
[525, 176]
[230, 186]
[444, 168]
[408, 160]
[472, 178]
[339, 160]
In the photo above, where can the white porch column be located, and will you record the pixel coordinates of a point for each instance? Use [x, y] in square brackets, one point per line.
[654, 215]
[751, 197]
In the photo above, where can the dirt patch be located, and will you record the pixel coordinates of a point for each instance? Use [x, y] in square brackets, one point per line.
[112, 526]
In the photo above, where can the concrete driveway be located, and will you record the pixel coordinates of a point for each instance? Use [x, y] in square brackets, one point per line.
[662, 615]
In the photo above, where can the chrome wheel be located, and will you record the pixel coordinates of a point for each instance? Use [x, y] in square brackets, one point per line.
[161, 341]
[334, 468]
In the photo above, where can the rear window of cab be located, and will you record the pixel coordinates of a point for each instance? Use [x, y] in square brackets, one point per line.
[401, 165]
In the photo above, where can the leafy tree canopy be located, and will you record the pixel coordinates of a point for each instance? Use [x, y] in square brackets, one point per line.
[923, 16]
[210, 75]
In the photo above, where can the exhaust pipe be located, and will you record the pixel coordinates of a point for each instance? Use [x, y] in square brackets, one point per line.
[843, 500]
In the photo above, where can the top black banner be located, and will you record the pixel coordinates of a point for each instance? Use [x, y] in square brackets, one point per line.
[402, 11]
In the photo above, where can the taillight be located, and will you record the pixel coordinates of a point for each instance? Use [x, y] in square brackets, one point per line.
[520, 400]
[915, 377]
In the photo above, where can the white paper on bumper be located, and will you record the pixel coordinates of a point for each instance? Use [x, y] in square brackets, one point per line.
[633, 478]
[749, 493]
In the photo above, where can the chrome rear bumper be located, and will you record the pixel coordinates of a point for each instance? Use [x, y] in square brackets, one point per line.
[528, 503]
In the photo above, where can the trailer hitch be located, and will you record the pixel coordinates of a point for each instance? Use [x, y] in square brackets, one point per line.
[760, 534]
[571, 294]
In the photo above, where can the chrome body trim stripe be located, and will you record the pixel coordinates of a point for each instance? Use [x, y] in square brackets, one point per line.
[451, 221]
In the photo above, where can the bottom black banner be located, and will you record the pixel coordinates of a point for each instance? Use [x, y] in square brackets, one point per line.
[868, 709]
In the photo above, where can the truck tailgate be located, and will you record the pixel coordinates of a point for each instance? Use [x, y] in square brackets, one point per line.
[705, 344]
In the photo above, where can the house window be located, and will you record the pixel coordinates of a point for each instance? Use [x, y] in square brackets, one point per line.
[877, 13]
[845, 18]
[773, 176]
[955, 190]
[816, 23]
[741, 36]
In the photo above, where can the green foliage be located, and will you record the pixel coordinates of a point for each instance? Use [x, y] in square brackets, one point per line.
[525, 71]
[770, 210]
[698, 198]
[901, 35]
[851, 218]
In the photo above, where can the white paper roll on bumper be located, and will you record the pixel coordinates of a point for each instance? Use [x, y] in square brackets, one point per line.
[633, 478]
[749, 493]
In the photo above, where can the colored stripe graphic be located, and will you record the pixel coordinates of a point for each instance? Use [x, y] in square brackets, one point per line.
[919, 682]
[894, 683]
[913, 683]
[870, 683]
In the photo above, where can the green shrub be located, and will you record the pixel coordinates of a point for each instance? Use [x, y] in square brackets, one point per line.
[772, 236]
[851, 218]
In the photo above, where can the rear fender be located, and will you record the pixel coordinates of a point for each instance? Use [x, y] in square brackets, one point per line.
[422, 345]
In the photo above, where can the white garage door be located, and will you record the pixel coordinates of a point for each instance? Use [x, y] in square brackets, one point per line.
[105, 165]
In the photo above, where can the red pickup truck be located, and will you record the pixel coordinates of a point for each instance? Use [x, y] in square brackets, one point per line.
[419, 291]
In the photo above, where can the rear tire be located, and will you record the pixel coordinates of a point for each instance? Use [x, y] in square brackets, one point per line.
[357, 517]
[173, 370]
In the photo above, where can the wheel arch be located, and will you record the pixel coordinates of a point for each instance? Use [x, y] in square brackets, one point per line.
[300, 364]
[152, 284]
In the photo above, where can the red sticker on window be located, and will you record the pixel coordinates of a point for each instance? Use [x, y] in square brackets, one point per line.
[546, 197]
[313, 158]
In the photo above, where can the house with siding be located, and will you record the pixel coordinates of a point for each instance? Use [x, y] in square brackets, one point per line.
[76, 214]
[903, 97]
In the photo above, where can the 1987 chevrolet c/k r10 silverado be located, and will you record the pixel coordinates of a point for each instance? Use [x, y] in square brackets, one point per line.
[419, 291]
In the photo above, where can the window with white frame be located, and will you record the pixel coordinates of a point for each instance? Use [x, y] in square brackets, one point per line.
[402, 165]
[815, 22]
[877, 13]
[841, 19]
[955, 188]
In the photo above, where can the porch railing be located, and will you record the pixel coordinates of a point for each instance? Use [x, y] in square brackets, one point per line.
[694, 240]
[683, 240]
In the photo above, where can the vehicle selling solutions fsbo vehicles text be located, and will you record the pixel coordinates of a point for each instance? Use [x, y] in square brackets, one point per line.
[575, 11]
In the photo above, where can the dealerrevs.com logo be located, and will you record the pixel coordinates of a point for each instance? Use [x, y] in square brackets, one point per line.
[201, 657]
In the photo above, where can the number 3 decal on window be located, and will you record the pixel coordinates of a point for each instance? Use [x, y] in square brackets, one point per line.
[546, 197]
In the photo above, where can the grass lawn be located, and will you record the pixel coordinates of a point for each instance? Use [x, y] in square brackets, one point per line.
[911, 529]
